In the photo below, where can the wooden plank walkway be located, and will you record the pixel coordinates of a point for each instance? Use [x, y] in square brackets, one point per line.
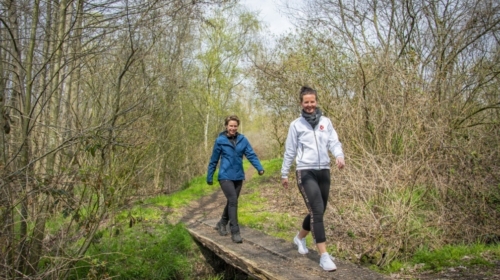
[265, 257]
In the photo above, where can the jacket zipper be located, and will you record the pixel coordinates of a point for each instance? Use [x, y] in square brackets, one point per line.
[317, 149]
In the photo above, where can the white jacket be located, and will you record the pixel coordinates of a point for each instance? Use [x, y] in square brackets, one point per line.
[310, 147]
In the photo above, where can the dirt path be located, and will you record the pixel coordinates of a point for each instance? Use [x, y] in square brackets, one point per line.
[211, 206]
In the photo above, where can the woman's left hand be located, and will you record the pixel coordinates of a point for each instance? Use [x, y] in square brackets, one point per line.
[340, 162]
[261, 172]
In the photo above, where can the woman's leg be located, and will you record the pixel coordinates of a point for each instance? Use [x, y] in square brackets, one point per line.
[323, 177]
[314, 185]
[232, 191]
[314, 198]
[227, 187]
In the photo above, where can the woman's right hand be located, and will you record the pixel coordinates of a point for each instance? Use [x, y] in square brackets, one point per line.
[284, 182]
[340, 162]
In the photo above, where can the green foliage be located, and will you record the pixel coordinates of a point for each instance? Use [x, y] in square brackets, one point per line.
[140, 245]
[397, 144]
[449, 256]
[142, 213]
[394, 266]
[494, 198]
[271, 167]
[145, 251]
[195, 189]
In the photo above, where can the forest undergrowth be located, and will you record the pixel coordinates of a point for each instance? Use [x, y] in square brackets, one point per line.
[354, 235]
[151, 231]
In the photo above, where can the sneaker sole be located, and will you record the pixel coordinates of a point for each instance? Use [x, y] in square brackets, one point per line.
[328, 270]
[237, 241]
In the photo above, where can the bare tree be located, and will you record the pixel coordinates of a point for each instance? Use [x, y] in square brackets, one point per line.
[78, 79]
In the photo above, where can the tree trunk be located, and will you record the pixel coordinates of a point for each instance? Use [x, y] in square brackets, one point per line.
[55, 95]
[205, 132]
[35, 247]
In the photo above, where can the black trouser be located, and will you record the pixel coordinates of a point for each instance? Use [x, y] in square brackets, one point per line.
[314, 185]
[231, 190]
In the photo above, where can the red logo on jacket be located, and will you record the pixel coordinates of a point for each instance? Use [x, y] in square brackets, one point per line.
[321, 127]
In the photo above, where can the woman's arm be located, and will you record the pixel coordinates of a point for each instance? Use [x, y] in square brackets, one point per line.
[290, 151]
[214, 160]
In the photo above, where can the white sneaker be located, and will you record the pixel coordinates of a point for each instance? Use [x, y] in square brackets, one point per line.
[301, 244]
[326, 262]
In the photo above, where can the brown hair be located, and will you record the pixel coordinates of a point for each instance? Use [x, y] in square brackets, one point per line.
[231, 118]
[305, 90]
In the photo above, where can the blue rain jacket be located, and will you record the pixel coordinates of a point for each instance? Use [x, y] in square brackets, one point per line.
[231, 158]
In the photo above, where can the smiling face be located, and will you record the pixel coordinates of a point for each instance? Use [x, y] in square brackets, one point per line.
[309, 103]
[232, 128]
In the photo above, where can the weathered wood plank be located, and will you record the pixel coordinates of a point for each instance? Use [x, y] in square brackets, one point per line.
[266, 257]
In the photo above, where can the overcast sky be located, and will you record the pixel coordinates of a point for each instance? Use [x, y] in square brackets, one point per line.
[277, 22]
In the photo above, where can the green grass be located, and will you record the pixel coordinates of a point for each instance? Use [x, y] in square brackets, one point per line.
[252, 213]
[194, 190]
[145, 251]
[449, 256]
[141, 212]
[252, 206]
[140, 245]
[271, 168]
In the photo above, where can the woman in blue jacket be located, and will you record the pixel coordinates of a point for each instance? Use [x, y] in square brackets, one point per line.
[230, 147]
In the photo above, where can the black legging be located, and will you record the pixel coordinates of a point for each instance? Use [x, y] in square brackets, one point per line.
[314, 185]
[231, 190]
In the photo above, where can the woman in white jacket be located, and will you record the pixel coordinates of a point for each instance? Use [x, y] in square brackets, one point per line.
[309, 139]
